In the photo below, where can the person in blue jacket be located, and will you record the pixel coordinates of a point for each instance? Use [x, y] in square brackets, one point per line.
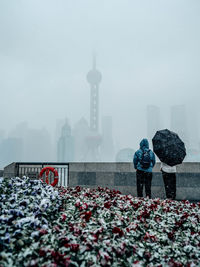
[144, 161]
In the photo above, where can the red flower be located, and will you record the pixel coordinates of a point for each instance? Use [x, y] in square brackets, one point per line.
[42, 252]
[147, 255]
[171, 235]
[67, 245]
[57, 229]
[117, 230]
[173, 263]
[67, 262]
[78, 189]
[77, 231]
[64, 216]
[167, 209]
[96, 237]
[74, 247]
[89, 247]
[145, 214]
[107, 205]
[185, 201]
[179, 223]
[149, 237]
[64, 241]
[115, 192]
[58, 257]
[83, 207]
[136, 205]
[157, 218]
[184, 216]
[153, 206]
[43, 232]
[131, 202]
[134, 249]
[95, 207]
[87, 215]
[77, 204]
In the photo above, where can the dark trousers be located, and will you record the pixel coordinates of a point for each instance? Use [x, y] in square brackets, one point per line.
[170, 184]
[143, 178]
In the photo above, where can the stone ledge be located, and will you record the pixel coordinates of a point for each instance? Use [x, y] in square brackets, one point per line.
[186, 167]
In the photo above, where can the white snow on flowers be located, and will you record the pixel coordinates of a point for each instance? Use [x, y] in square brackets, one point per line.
[44, 226]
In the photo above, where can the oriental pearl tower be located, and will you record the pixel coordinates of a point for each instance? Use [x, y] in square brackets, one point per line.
[94, 139]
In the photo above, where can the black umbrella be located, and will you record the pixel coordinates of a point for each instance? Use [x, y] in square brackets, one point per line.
[169, 148]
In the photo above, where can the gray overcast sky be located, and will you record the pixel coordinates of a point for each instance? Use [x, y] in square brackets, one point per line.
[147, 52]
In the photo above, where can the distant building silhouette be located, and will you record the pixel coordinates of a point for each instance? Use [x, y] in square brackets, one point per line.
[80, 133]
[11, 151]
[107, 146]
[153, 120]
[193, 129]
[56, 136]
[179, 122]
[125, 155]
[65, 146]
[36, 143]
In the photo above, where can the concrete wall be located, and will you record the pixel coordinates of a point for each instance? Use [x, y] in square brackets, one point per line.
[122, 177]
[10, 170]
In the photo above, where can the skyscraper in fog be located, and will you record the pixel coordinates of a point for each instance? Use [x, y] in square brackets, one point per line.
[193, 128]
[66, 144]
[179, 122]
[107, 146]
[153, 120]
[11, 151]
[80, 133]
[36, 143]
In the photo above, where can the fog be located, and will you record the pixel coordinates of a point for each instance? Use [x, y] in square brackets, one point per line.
[147, 52]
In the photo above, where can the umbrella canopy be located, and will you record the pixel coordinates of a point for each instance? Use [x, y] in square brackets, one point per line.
[169, 148]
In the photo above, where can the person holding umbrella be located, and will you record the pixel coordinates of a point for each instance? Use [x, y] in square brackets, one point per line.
[169, 178]
[171, 151]
[144, 161]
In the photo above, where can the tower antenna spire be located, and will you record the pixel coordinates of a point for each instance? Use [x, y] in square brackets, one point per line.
[94, 139]
[94, 79]
[94, 61]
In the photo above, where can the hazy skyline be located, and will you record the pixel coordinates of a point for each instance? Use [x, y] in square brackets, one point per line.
[147, 52]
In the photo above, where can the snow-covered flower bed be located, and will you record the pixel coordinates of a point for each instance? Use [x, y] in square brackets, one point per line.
[44, 226]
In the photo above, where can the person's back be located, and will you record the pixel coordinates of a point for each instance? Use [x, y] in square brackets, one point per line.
[144, 161]
[138, 157]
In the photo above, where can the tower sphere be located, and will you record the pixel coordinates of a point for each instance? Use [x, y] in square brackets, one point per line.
[94, 77]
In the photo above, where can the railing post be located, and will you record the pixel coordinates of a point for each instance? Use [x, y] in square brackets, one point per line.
[17, 170]
[67, 174]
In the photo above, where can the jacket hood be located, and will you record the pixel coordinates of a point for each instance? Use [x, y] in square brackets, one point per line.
[144, 144]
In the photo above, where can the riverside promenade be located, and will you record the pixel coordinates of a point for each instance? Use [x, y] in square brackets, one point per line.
[122, 177]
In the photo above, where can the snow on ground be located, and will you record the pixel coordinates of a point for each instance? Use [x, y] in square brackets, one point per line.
[45, 226]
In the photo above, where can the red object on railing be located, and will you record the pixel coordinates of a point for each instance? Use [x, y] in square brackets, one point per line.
[46, 170]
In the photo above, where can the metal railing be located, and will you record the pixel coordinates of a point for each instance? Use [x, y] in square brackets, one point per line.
[32, 170]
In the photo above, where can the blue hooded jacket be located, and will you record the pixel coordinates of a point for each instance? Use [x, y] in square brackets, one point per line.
[144, 145]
